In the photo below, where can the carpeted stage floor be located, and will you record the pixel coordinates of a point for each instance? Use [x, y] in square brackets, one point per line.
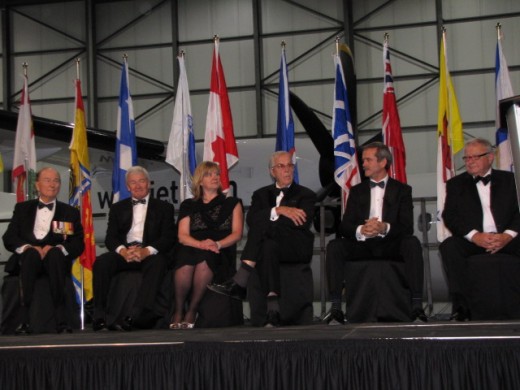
[438, 355]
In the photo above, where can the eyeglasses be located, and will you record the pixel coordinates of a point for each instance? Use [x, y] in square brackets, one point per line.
[475, 157]
[49, 181]
[283, 166]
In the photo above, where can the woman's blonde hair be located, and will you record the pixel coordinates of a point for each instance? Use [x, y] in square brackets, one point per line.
[202, 169]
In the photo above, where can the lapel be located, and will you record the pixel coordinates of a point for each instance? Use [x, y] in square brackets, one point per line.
[31, 209]
[364, 198]
[473, 192]
[389, 198]
[150, 218]
[494, 192]
[272, 193]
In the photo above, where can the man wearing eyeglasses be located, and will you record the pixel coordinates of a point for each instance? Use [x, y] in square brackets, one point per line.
[279, 222]
[45, 235]
[481, 211]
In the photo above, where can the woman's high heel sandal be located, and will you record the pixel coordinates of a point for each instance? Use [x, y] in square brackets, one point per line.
[175, 325]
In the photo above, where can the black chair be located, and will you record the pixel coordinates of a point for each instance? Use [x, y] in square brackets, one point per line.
[377, 291]
[41, 313]
[494, 286]
[296, 295]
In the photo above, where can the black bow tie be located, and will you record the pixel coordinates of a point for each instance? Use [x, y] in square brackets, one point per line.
[41, 205]
[284, 190]
[485, 179]
[378, 184]
[137, 201]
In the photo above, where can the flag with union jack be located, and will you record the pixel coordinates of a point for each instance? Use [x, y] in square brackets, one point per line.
[346, 168]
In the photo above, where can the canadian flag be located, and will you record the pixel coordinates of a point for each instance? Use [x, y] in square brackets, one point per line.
[219, 139]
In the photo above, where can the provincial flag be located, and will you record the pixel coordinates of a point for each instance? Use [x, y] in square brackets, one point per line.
[24, 161]
[285, 123]
[126, 150]
[503, 90]
[450, 136]
[392, 135]
[80, 196]
[180, 152]
[219, 139]
[346, 168]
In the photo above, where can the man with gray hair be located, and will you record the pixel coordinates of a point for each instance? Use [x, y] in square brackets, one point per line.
[279, 222]
[481, 211]
[140, 233]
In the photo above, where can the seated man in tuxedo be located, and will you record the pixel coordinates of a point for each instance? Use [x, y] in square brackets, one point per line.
[481, 212]
[45, 235]
[377, 223]
[279, 222]
[140, 233]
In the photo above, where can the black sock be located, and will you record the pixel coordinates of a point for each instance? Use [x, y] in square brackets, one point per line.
[335, 300]
[417, 303]
[272, 303]
[242, 275]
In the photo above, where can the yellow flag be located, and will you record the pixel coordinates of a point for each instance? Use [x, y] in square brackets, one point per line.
[79, 195]
[450, 137]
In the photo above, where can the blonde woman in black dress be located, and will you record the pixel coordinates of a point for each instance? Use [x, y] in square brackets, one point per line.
[209, 225]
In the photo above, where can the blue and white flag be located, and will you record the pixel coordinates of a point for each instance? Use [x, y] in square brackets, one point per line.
[503, 90]
[126, 150]
[181, 145]
[285, 125]
[346, 169]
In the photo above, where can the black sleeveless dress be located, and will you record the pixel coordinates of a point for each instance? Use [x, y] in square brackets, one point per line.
[211, 220]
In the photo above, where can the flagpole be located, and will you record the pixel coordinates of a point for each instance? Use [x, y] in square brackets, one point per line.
[499, 30]
[25, 65]
[82, 274]
[448, 108]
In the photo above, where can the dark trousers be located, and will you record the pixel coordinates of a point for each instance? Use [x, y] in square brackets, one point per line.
[454, 253]
[56, 266]
[153, 269]
[273, 244]
[407, 249]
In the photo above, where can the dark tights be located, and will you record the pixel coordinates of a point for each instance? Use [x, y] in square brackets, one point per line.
[186, 278]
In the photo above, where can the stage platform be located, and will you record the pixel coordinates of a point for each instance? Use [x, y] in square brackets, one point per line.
[437, 355]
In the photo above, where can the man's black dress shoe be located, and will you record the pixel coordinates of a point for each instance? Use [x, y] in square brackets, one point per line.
[273, 319]
[229, 288]
[418, 315]
[124, 326]
[23, 329]
[63, 328]
[461, 315]
[99, 324]
[335, 317]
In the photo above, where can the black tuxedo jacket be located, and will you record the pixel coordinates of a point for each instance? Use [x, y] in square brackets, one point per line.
[463, 210]
[297, 240]
[397, 209]
[264, 199]
[159, 225]
[20, 231]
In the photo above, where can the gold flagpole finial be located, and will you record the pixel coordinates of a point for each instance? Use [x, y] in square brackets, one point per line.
[386, 37]
[216, 39]
[25, 65]
[337, 44]
[125, 57]
[182, 53]
[283, 44]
